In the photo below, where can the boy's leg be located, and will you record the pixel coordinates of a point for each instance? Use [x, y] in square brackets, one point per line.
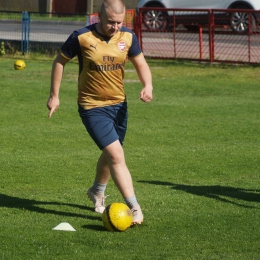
[97, 192]
[122, 178]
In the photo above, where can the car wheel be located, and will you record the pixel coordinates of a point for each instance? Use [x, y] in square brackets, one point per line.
[155, 19]
[239, 21]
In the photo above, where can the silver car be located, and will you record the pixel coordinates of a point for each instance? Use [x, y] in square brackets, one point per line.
[159, 20]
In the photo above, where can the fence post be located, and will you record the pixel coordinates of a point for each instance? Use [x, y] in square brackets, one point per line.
[87, 20]
[201, 42]
[211, 35]
[25, 32]
[250, 30]
[139, 25]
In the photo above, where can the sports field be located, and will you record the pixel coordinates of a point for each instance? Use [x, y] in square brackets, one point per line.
[193, 153]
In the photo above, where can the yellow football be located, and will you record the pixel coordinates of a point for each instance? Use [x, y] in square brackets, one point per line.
[19, 65]
[117, 217]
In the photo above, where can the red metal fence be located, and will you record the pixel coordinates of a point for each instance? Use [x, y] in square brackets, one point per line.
[204, 35]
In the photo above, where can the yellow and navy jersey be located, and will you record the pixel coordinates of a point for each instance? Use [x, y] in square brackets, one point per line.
[101, 64]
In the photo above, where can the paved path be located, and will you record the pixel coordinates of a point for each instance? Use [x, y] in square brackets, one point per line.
[184, 45]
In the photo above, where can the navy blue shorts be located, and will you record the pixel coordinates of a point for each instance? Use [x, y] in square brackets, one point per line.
[106, 124]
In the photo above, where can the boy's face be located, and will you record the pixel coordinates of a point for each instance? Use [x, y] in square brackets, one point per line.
[111, 23]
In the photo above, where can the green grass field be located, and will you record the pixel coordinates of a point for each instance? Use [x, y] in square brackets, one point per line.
[193, 154]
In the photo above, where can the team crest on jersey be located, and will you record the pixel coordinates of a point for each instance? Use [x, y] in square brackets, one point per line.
[121, 46]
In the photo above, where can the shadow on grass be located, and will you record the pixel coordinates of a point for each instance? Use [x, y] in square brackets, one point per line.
[38, 206]
[102, 228]
[95, 227]
[217, 192]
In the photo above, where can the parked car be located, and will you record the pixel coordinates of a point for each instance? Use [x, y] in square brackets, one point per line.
[238, 21]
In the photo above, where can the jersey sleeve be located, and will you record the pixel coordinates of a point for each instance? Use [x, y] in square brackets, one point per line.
[71, 46]
[135, 48]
